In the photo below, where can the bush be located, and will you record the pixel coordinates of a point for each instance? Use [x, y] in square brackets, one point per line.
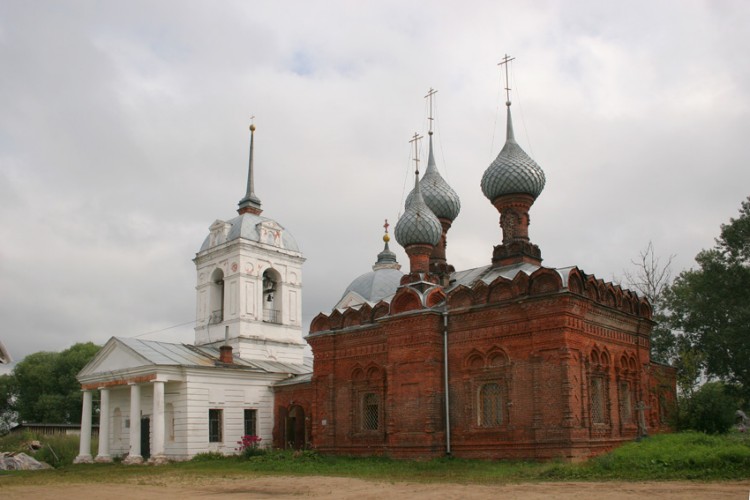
[250, 446]
[208, 456]
[710, 409]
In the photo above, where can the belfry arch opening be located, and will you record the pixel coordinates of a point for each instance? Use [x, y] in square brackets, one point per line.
[216, 297]
[271, 296]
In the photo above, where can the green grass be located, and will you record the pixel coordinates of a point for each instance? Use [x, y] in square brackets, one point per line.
[683, 456]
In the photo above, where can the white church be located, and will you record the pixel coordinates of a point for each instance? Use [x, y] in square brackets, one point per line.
[161, 401]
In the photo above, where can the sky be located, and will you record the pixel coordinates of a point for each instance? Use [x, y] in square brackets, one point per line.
[124, 136]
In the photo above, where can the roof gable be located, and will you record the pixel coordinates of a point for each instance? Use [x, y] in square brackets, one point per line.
[114, 356]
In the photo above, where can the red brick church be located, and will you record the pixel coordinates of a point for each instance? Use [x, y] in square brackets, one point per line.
[508, 360]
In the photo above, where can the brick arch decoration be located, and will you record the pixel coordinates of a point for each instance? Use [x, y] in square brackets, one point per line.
[351, 317]
[545, 280]
[320, 323]
[365, 314]
[474, 360]
[575, 281]
[592, 289]
[336, 319]
[501, 289]
[380, 310]
[460, 297]
[375, 373]
[521, 284]
[405, 300]
[644, 309]
[497, 358]
[610, 299]
[358, 373]
[480, 292]
[594, 356]
[435, 297]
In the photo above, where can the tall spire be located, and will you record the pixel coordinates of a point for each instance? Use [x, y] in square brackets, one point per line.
[250, 203]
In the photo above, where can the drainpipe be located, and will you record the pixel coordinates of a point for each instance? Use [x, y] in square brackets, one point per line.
[447, 392]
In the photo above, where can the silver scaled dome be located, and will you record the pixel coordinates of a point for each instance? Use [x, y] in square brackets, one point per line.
[437, 194]
[513, 171]
[418, 225]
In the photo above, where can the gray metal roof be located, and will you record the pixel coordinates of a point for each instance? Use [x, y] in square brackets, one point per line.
[164, 353]
[298, 379]
[513, 171]
[245, 226]
[375, 285]
[488, 274]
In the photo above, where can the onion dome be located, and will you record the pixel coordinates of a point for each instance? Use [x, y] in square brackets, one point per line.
[513, 171]
[437, 194]
[418, 225]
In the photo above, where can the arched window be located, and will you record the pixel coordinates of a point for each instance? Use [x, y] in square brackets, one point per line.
[598, 400]
[216, 297]
[370, 412]
[626, 403]
[271, 296]
[490, 405]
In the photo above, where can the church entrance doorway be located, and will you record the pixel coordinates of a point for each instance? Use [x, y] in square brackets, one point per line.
[295, 429]
[146, 437]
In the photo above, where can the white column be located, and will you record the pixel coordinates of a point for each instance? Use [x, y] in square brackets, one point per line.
[103, 455]
[134, 457]
[84, 446]
[157, 444]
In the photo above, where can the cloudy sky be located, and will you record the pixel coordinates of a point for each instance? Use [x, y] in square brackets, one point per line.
[123, 136]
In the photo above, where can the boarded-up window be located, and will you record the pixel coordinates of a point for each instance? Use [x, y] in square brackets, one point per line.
[598, 415]
[626, 407]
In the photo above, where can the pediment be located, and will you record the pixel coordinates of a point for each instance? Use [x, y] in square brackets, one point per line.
[270, 232]
[114, 356]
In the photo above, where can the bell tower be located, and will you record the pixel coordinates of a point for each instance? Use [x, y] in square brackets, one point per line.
[249, 284]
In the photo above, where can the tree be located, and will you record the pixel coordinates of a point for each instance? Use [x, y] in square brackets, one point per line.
[710, 409]
[44, 386]
[711, 304]
[651, 279]
[7, 412]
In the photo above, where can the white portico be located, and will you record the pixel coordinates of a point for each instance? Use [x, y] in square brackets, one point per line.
[156, 400]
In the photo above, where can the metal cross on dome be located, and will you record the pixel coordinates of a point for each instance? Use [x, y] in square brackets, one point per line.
[505, 62]
[415, 140]
[429, 95]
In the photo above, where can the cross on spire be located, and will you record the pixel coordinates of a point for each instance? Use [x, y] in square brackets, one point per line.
[415, 140]
[505, 62]
[429, 95]
[386, 226]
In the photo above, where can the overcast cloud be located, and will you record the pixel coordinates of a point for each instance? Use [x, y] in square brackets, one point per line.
[123, 136]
